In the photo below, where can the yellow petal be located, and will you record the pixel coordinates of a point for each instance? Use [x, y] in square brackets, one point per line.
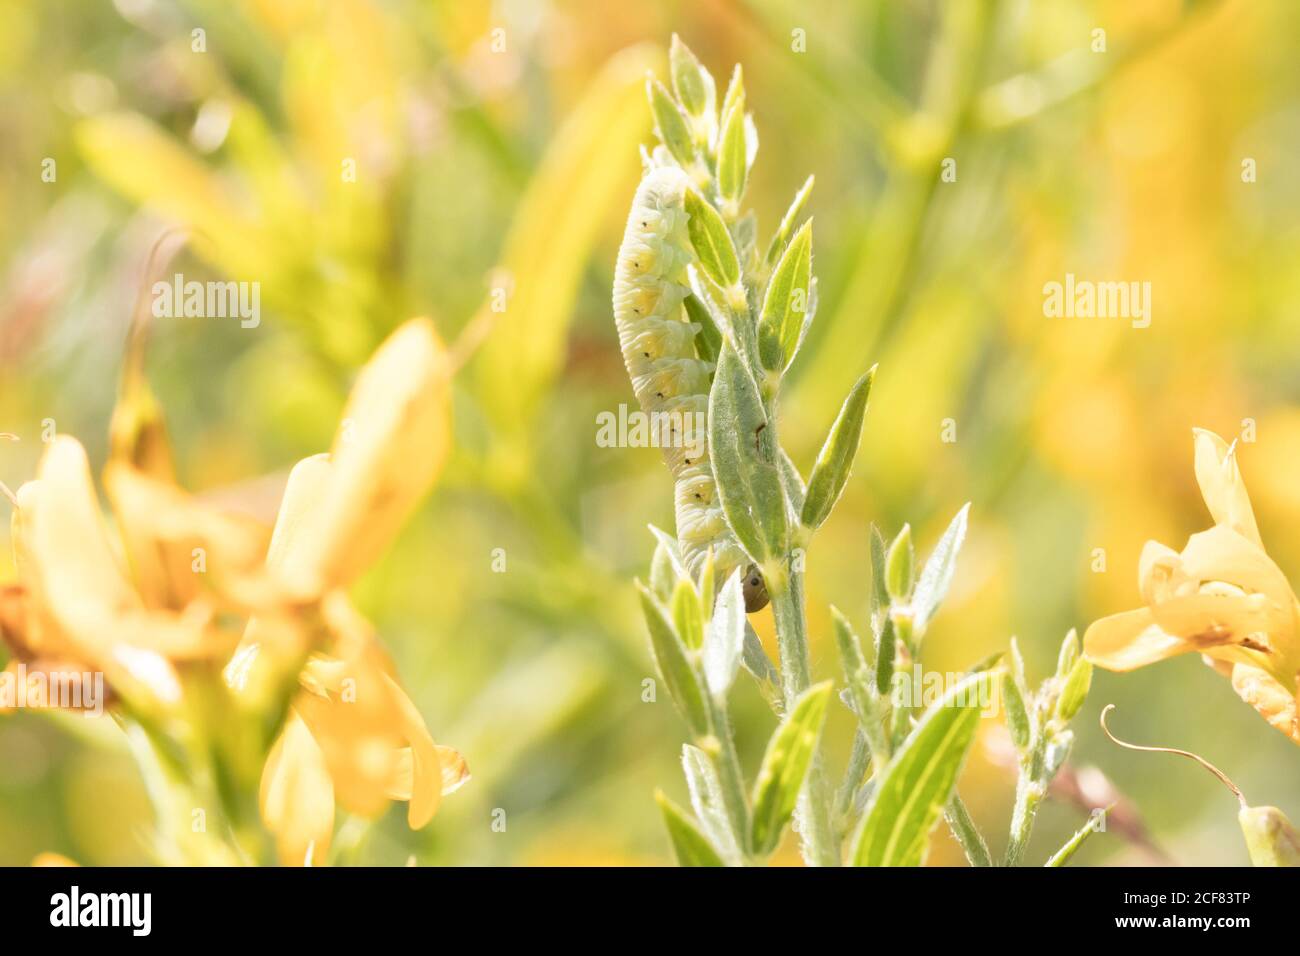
[297, 796]
[273, 643]
[1222, 487]
[1124, 642]
[1274, 702]
[180, 548]
[426, 767]
[93, 613]
[389, 449]
[358, 723]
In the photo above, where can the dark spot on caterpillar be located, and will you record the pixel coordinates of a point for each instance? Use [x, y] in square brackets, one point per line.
[757, 432]
[659, 394]
[754, 589]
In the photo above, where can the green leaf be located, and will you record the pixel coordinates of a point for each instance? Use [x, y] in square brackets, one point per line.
[688, 615]
[663, 576]
[690, 846]
[1271, 840]
[919, 780]
[675, 665]
[725, 637]
[708, 582]
[755, 660]
[692, 83]
[1075, 689]
[733, 166]
[712, 243]
[900, 566]
[671, 554]
[1069, 653]
[708, 340]
[879, 592]
[671, 124]
[835, 461]
[735, 89]
[706, 799]
[795, 489]
[785, 304]
[967, 833]
[743, 451]
[1095, 822]
[847, 641]
[782, 235]
[936, 576]
[785, 765]
[886, 649]
[1017, 714]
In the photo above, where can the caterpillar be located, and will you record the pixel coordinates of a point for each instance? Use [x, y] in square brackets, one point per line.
[670, 381]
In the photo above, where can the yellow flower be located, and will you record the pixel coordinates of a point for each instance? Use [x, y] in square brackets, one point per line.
[138, 608]
[1222, 596]
[352, 733]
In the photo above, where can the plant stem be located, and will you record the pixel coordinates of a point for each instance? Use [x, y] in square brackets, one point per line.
[820, 848]
[731, 779]
[1030, 788]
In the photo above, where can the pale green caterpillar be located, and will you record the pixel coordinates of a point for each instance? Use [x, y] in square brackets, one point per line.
[670, 381]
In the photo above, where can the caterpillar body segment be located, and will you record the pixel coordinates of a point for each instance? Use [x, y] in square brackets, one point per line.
[670, 381]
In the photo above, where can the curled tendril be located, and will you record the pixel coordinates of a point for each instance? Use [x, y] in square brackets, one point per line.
[1173, 750]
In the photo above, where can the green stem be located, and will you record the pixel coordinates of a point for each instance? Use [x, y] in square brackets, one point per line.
[820, 848]
[1030, 788]
[859, 762]
[731, 778]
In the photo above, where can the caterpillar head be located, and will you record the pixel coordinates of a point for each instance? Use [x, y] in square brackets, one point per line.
[754, 589]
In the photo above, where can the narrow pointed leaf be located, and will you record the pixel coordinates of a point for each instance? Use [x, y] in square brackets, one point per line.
[918, 782]
[1075, 690]
[1062, 856]
[671, 124]
[725, 638]
[744, 455]
[755, 660]
[785, 766]
[785, 303]
[688, 617]
[936, 576]
[835, 461]
[674, 665]
[786, 229]
[706, 800]
[733, 166]
[712, 243]
[708, 340]
[692, 83]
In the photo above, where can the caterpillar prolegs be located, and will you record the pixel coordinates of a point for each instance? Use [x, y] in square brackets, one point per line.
[670, 381]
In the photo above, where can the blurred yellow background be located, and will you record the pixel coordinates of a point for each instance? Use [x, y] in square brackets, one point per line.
[369, 161]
